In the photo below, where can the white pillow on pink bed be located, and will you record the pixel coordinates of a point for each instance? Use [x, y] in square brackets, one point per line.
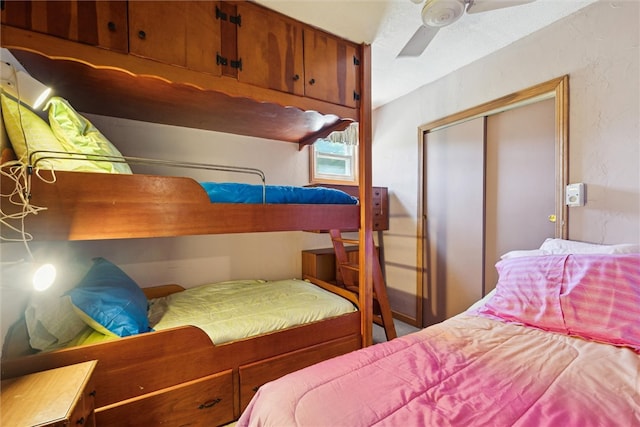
[552, 246]
[562, 246]
[593, 296]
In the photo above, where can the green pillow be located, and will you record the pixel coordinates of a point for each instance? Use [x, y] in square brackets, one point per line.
[28, 132]
[78, 135]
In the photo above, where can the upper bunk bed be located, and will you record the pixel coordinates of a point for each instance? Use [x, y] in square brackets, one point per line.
[157, 65]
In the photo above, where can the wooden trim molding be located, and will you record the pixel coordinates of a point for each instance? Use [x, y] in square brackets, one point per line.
[558, 89]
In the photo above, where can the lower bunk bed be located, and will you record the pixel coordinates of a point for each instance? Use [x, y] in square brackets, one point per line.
[197, 373]
[556, 344]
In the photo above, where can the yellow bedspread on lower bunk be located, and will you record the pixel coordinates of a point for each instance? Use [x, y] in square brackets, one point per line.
[233, 310]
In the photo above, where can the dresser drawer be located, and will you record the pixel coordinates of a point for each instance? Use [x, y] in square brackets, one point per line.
[254, 375]
[207, 401]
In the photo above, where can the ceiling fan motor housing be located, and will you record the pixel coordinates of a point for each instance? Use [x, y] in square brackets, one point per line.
[440, 13]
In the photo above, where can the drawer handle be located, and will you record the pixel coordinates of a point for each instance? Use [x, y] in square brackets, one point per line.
[111, 26]
[296, 77]
[312, 81]
[142, 35]
[209, 403]
[80, 421]
[93, 393]
[255, 388]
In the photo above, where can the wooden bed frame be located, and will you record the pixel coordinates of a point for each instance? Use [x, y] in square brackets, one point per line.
[135, 206]
[179, 377]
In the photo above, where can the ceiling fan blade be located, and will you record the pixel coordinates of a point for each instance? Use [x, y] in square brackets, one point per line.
[419, 42]
[477, 6]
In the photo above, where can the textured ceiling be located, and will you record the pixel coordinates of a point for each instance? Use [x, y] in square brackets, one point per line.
[388, 24]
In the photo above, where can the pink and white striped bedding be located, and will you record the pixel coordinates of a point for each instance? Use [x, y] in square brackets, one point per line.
[595, 297]
[478, 369]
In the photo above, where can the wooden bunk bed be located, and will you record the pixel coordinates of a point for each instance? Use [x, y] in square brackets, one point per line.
[178, 375]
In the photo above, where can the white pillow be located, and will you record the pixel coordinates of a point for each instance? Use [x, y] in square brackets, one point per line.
[51, 322]
[521, 253]
[561, 246]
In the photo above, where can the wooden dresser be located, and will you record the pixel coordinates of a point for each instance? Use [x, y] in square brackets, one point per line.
[379, 202]
[57, 397]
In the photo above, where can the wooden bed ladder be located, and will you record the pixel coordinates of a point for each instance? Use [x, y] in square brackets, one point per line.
[381, 308]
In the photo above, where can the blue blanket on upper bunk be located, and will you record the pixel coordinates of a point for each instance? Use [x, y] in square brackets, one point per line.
[229, 192]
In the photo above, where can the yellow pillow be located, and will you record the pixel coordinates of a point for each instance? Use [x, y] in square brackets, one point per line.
[78, 135]
[28, 133]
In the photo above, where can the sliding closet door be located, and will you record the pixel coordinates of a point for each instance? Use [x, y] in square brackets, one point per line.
[454, 175]
[520, 181]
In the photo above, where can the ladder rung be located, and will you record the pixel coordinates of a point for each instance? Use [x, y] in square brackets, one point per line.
[350, 266]
[349, 241]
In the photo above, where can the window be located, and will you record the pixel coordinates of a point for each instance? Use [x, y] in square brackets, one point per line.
[334, 162]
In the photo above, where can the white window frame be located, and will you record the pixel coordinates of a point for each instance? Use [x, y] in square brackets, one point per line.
[323, 178]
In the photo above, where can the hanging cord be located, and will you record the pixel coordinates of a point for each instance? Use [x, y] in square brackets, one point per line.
[20, 174]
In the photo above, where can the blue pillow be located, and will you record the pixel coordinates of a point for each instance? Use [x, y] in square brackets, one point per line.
[110, 301]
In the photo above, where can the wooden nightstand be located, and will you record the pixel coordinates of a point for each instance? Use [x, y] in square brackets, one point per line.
[57, 397]
[321, 263]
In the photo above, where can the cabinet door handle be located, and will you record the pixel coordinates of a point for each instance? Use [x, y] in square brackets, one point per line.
[111, 26]
[142, 35]
[312, 81]
[296, 77]
[80, 421]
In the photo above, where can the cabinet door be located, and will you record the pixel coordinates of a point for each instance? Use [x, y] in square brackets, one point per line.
[186, 34]
[98, 23]
[270, 47]
[331, 70]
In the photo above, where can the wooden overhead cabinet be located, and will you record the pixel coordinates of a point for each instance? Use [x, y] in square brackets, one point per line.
[97, 23]
[331, 68]
[270, 47]
[186, 34]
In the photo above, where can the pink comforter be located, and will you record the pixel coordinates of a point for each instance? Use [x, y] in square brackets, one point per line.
[467, 371]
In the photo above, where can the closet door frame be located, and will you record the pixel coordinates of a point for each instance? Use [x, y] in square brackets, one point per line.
[557, 89]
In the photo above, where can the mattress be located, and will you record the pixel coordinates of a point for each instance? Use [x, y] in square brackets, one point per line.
[230, 192]
[233, 310]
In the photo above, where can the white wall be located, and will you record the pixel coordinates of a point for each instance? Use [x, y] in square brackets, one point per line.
[598, 47]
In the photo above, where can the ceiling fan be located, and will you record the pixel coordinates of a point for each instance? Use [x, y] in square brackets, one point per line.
[440, 13]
